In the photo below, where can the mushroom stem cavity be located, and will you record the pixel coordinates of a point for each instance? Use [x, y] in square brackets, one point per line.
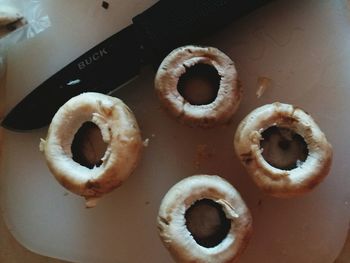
[199, 85]
[283, 148]
[207, 222]
[88, 147]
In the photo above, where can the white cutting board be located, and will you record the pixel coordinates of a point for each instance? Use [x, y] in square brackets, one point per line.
[303, 46]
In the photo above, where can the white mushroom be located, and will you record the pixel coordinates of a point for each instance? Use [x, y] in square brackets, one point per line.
[203, 219]
[9, 14]
[283, 149]
[198, 86]
[119, 131]
[10, 19]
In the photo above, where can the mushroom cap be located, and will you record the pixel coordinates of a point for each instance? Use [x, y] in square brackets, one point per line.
[119, 131]
[219, 111]
[274, 181]
[172, 223]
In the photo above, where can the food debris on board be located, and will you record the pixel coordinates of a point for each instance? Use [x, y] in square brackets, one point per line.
[105, 4]
[146, 142]
[203, 154]
[263, 84]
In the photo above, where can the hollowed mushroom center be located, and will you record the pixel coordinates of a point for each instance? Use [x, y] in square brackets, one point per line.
[207, 222]
[199, 85]
[283, 148]
[88, 147]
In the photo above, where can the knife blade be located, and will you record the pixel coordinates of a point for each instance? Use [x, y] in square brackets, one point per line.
[153, 33]
[93, 71]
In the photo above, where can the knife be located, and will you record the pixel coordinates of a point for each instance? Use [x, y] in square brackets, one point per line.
[115, 61]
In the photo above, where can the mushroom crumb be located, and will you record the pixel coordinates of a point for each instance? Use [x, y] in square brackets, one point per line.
[91, 202]
[146, 142]
[42, 145]
[263, 83]
[203, 153]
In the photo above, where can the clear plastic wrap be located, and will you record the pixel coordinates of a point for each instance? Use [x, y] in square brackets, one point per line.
[19, 20]
[33, 22]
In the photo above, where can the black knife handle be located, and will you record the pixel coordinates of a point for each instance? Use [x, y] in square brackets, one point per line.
[172, 23]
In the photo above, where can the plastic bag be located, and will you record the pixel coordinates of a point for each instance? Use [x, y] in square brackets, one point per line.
[33, 22]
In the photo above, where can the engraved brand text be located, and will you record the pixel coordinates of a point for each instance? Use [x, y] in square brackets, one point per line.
[94, 57]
